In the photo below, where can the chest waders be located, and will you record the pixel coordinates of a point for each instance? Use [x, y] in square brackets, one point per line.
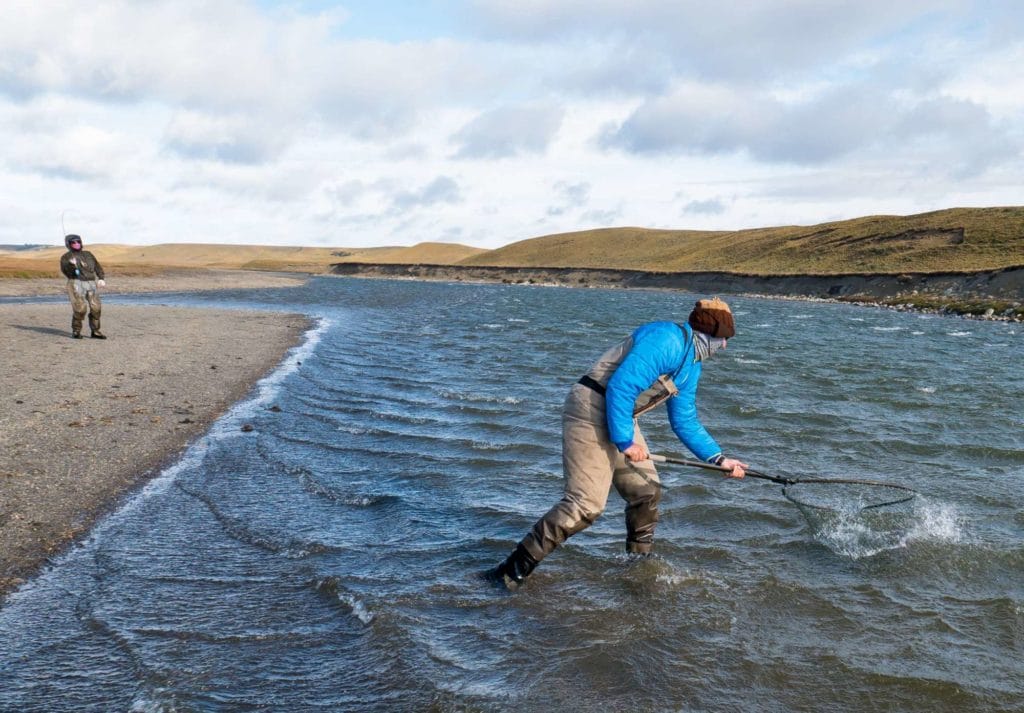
[84, 296]
[592, 463]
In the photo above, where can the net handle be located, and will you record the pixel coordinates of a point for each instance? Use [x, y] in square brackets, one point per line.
[711, 466]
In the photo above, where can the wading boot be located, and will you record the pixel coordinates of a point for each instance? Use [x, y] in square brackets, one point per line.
[513, 571]
[94, 326]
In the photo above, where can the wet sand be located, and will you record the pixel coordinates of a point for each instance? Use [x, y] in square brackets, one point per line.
[85, 422]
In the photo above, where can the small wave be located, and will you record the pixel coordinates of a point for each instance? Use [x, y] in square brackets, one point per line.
[688, 577]
[917, 334]
[237, 529]
[268, 388]
[154, 700]
[487, 446]
[513, 319]
[959, 334]
[311, 485]
[480, 398]
[926, 389]
[749, 361]
[332, 586]
[887, 329]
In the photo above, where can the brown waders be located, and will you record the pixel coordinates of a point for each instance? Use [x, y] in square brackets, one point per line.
[592, 464]
[84, 297]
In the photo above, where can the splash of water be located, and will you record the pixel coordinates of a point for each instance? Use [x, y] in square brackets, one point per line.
[856, 533]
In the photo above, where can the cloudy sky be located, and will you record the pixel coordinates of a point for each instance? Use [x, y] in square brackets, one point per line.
[483, 122]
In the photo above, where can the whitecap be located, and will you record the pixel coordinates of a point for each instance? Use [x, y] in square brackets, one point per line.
[887, 329]
[959, 334]
[358, 608]
[926, 389]
[480, 398]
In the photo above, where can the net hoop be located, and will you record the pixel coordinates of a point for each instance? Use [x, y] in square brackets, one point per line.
[902, 494]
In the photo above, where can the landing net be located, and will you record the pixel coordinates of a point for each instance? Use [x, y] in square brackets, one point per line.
[856, 517]
[848, 496]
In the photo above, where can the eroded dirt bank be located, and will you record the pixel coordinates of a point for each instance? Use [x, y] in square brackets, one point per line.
[1005, 286]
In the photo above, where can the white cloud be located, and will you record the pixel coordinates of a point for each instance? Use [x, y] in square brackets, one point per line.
[237, 120]
[228, 138]
[508, 131]
[711, 206]
[442, 189]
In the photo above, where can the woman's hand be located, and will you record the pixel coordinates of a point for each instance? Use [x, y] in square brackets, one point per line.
[738, 468]
[636, 453]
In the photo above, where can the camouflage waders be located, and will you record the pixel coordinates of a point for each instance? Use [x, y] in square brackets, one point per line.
[84, 297]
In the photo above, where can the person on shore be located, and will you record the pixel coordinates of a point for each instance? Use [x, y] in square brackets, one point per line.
[602, 444]
[85, 277]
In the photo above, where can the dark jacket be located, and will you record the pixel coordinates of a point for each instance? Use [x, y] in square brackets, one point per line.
[85, 267]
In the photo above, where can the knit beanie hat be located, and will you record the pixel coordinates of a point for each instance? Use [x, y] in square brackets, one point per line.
[713, 317]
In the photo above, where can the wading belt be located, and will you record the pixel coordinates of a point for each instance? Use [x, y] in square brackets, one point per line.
[668, 386]
[592, 384]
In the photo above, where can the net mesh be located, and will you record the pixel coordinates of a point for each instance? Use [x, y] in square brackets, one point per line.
[855, 518]
[847, 496]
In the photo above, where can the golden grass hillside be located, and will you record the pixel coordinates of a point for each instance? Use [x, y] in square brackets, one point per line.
[953, 240]
[43, 262]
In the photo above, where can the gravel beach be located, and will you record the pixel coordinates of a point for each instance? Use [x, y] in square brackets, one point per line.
[84, 422]
[167, 280]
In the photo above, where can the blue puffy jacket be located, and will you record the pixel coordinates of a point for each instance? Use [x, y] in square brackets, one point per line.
[659, 349]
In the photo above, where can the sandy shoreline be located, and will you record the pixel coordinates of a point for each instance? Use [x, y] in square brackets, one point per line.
[171, 280]
[84, 422]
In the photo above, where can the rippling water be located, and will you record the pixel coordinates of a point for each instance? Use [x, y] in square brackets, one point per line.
[328, 559]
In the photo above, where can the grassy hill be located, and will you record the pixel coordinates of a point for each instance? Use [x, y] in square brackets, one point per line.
[954, 240]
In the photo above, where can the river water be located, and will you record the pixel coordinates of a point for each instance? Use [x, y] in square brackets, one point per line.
[328, 558]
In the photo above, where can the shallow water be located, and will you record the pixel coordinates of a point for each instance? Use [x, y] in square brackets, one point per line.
[328, 559]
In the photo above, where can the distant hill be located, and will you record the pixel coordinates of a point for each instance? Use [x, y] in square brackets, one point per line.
[955, 240]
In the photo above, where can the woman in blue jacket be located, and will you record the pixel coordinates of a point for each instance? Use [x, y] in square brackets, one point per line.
[601, 442]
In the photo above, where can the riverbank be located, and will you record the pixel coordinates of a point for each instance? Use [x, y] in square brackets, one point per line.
[84, 422]
[994, 294]
[166, 280]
